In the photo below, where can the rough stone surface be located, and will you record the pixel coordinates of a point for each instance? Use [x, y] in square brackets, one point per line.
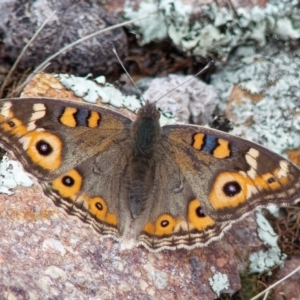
[20, 19]
[290, 288]
[46, 253]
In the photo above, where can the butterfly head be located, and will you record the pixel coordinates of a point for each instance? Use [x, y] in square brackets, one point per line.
[149, 111]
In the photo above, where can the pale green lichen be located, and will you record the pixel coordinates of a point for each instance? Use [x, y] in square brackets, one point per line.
[275, 119]
[92, 90]
[218, 30]
[12, 175]
[153, 27]
[262, 261]
[219, 282]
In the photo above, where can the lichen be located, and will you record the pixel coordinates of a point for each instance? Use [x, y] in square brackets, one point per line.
[275, 119]
[262, 261]
[12, 175]
[152, 28]
[92, 90]
[219, 282]
[215, 30]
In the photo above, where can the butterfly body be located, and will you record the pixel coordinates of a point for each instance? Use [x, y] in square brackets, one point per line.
[177, 186]
[145, 134]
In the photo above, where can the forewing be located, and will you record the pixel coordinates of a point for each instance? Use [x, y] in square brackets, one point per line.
[77, 151]
[50, 136]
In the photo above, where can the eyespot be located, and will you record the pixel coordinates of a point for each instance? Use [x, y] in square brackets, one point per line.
[68, 181]
[271, 180]
[11, 124]
[229, 190]
[197, 216]
[14, 126]
[99, 206]
[69, 184]
[200, 212]
[232, 188]
[43, 148]
[164, 223]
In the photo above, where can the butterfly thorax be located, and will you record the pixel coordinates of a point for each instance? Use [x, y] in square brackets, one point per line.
[145, 133]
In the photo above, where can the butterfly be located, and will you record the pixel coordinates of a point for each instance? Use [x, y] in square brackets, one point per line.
[176, 186]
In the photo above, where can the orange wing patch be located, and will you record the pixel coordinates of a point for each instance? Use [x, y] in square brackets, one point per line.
[198, 141]
[167, 224]
[98, 208]
[68, 117]
[197, 217]
[219, 148]
[73, 117]
[69, 184]
[232, 189]
[44, 148]
[93, 120]
[222, 150]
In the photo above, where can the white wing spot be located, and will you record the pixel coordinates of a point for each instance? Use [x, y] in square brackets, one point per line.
[39, 113]
[251, 156]
[284, 169]
[25, 142]
[6, 109]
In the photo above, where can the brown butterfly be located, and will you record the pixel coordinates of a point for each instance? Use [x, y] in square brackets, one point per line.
[176, 186]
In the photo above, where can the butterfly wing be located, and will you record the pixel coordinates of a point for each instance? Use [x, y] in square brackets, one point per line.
[170, 219]
[200, 179]
[75, 150]
[207, 179]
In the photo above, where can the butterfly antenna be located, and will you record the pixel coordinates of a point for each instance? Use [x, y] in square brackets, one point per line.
[122, 65]
[209, 64]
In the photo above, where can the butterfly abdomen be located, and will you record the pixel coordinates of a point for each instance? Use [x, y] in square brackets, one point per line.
[141, 174]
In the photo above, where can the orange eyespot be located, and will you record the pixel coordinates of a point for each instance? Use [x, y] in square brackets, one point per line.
[164, 225]
[69, 184]
[197, 216]
[98, 208]
[229, 190]
[44, 148]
